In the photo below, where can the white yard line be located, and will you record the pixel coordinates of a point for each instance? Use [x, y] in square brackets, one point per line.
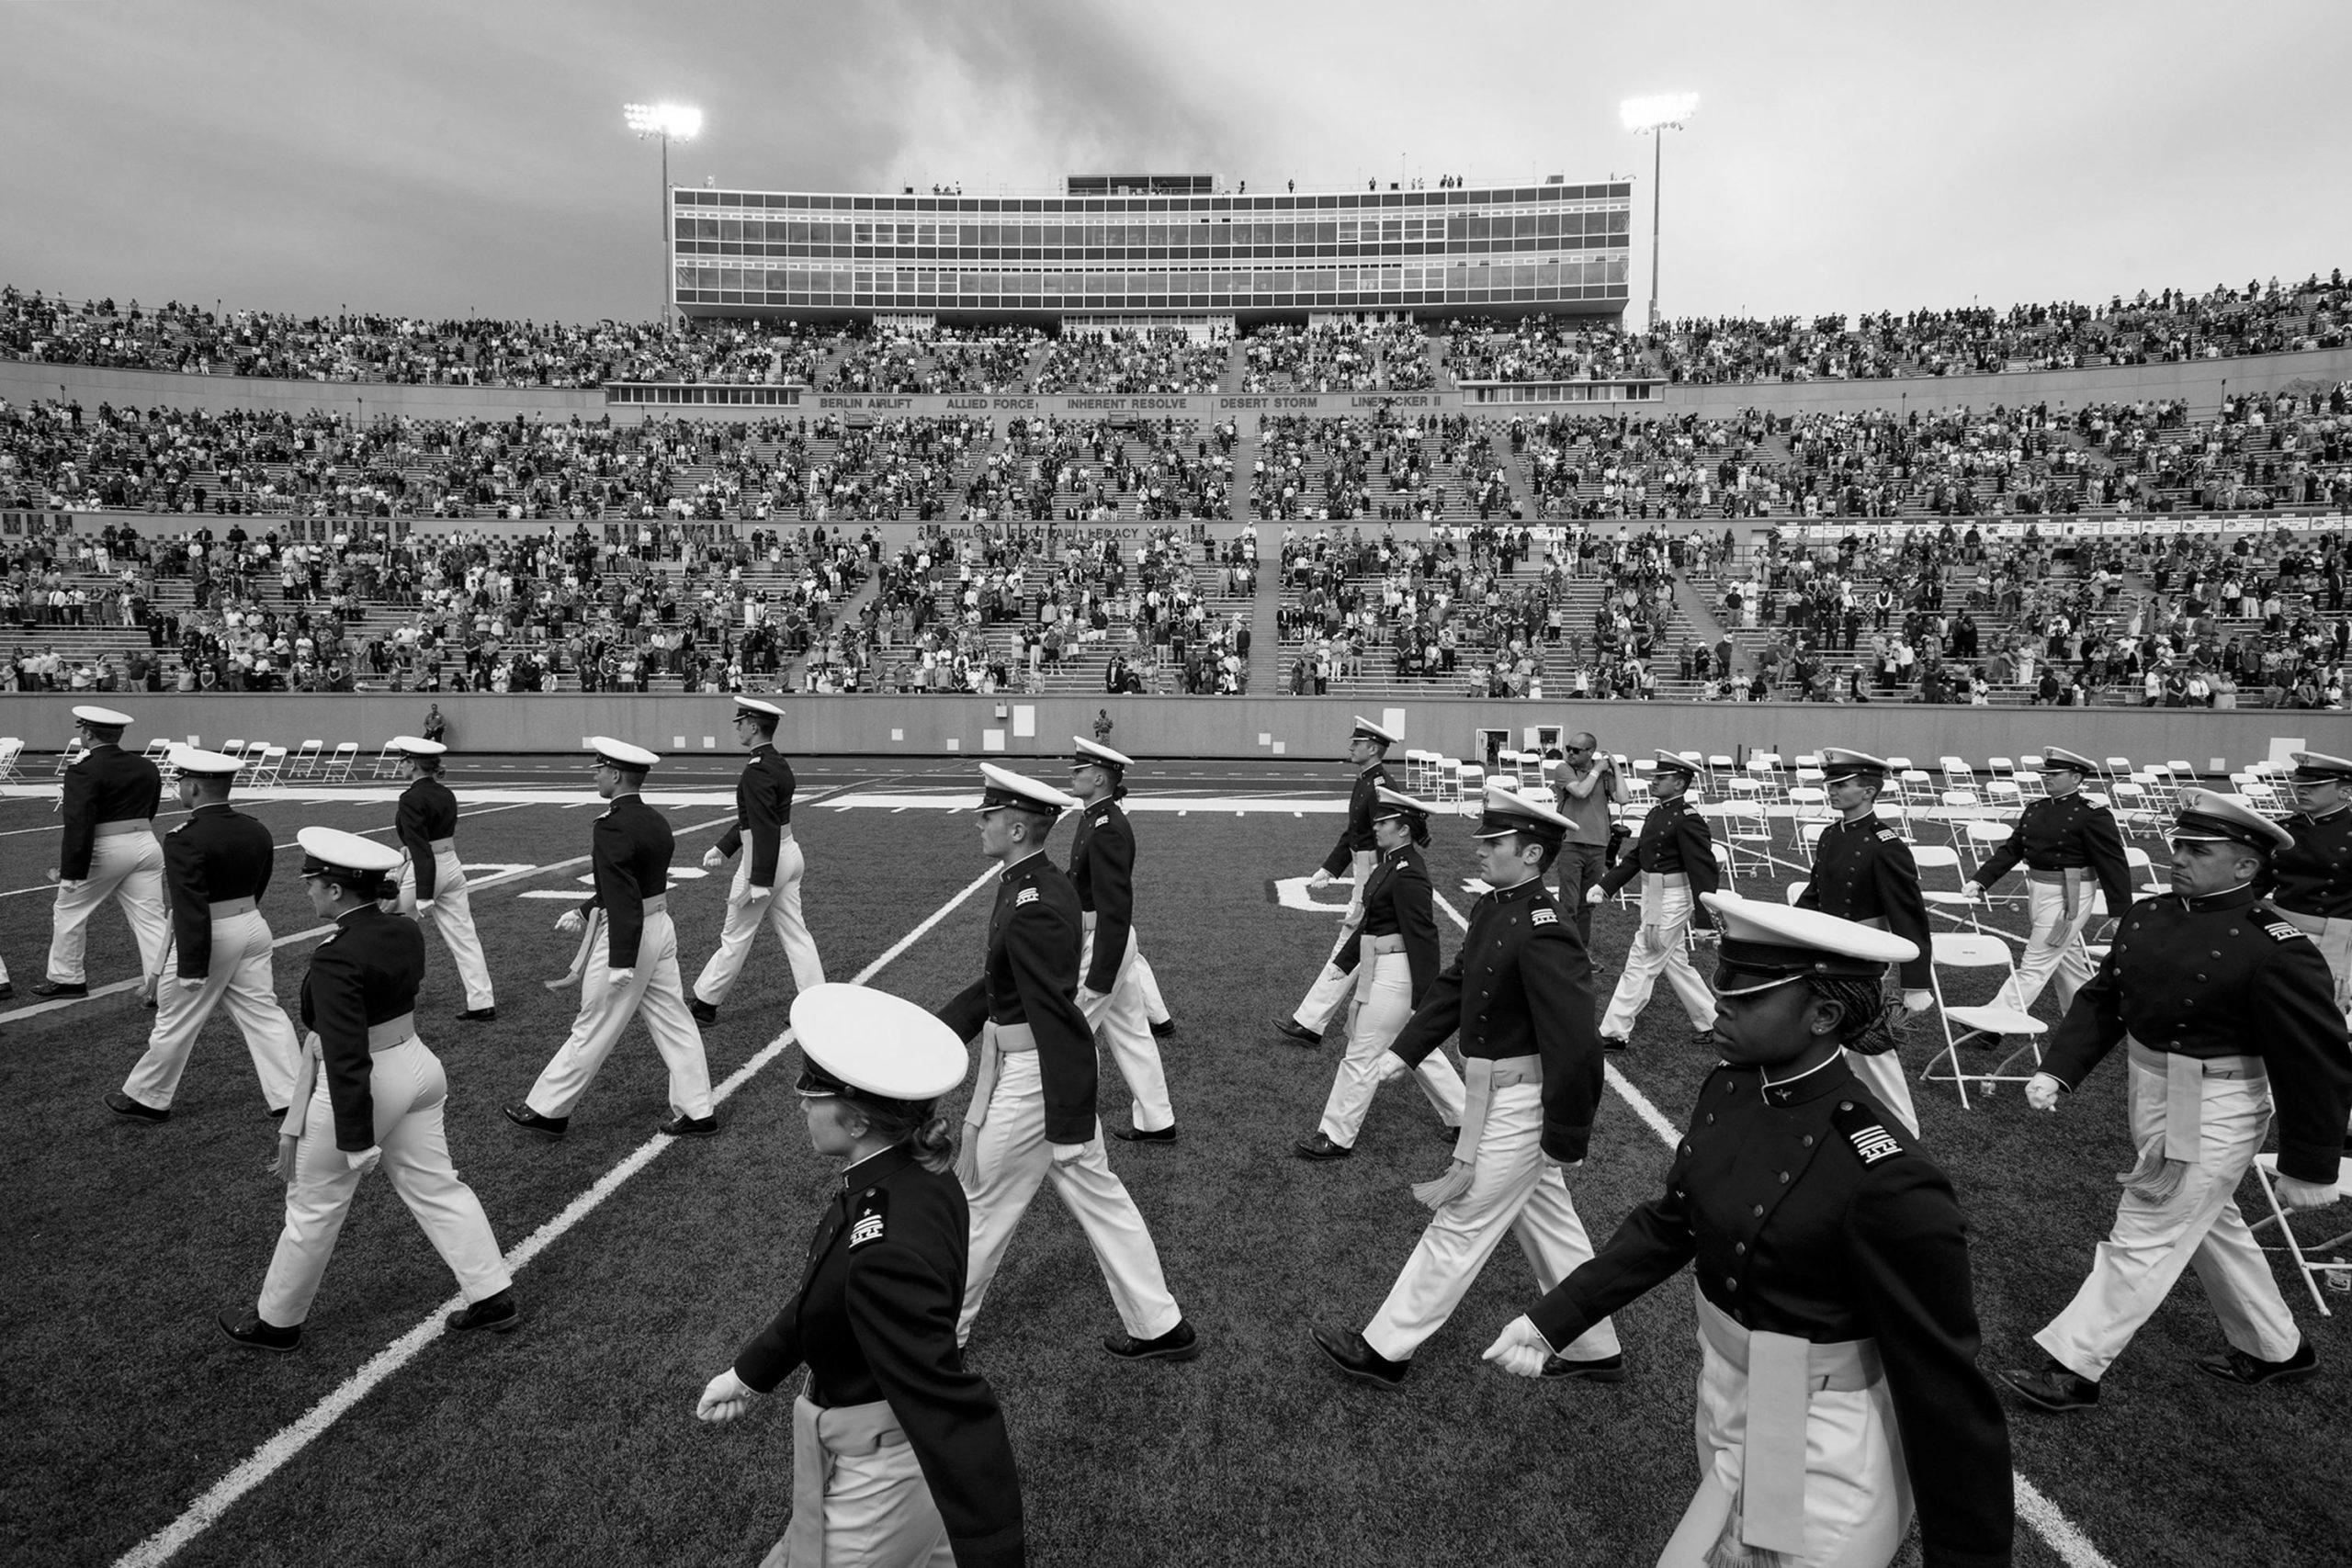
[273, 1455]
[2054, 1528]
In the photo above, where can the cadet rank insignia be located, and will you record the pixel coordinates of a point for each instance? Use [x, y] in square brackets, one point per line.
[1027, 895]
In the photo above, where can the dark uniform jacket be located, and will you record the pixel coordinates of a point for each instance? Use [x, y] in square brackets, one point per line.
[1397, 901]
[1674, 838]
[2223, 976]
[214, 856]
[1804, 1210]
[2066, 831]
[1520, 987]
[1030, 977]
[874, 1319]
[1863, 871]
[631, 850]
[109, 785]
[763, 807]
[1356, 838]
[1102, 869]
[427, 811]
[2315, 877]
[367, 973]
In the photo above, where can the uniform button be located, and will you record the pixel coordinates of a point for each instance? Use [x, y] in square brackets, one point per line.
[1784, 1179]
[1845, 1105]
[1711, 1118]
[1731, 1282]
[1757, 1211]
[1807, 1140]
[1740, 1247]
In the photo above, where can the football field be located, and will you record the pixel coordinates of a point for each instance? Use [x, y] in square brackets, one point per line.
[134, 1431]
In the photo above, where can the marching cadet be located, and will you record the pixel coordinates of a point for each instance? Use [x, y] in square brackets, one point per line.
[636, 966]
[1110, 991]
[217, 865]
[2227, 1012]
[1355, 852]
[432, 879]
[370, 1093]
[767, 881]
[1033, 1108]
[1397, 962]
[1862, 870]
[899, 1453]
[1520, 993]
[2311, 879]
[107, 848]
[2066, 843]
[1675, 858]
[1832, 1274]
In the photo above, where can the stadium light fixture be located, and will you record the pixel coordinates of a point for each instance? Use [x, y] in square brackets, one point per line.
[1655, 116]
[681, 122]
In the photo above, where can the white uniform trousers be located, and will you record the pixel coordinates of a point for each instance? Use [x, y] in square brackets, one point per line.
[1857, 1491]
[1384, 1002]
[780, 909]
[2054, 953]
[878, 1509]
[2335, 940]
[1332, 983]
[1514, 1189]
[453, 917]
[243, 975]
[1122, 1022]
[1012, 1156]
[2136, 1266]
[128, 867]
[1155, 1007]
[410, 1092]
[605, 1012]
[1658, 949]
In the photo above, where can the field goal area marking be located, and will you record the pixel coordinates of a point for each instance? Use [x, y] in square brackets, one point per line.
[2059, 1533]
[290, 1440]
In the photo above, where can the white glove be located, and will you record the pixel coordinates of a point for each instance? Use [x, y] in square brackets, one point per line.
[53, 876]
[571, 922]
[364, 1161]
[1917, 1001]
[73, 887]
[2296, 1194]
[1564, 1166]
[1392, 1068]
[188, 985]
[753, 893]
[1065, 1153]
[1518, 1349]
[1088, 998]
[1320, 881]
[424, 908]
[1971, 890]
[619, 977]
[2041, 1091]
[1593, 894]
[724, 1398]
[284, 1167]
[711, 860]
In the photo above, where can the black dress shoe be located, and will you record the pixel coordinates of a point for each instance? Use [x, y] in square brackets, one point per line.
[1614, 1044]
[498, 1314]
[1601, 1368]
[1178, 1344]
[1318, 1146]
[1357, 1359]
[1292, 1030]
[525, 1117]
[477, 1015]
[1163, 1030]
[256, 1335]
[9, 989]
[684, 1126]
[1134, 1134]
[61, 989]
[2054, 1388]
[123, 1105]
[705, 1012]
[2236, 1366]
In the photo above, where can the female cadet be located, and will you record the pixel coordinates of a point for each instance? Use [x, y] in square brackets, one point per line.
[368, 1090]
[1398, 959]
[1833, 1283]
[899, 1453]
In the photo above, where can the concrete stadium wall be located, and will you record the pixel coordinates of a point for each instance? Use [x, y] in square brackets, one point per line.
[1223, 727]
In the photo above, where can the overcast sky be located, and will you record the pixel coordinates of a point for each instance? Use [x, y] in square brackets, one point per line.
[441, 158]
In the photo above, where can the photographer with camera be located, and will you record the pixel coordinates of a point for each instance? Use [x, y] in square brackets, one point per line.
[1583, 790]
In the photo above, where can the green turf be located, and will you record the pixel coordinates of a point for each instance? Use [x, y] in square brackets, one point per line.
[573, 1440]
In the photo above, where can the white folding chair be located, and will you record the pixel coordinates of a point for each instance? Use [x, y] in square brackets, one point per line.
[1984, 837]
[12, 747]
[388, 761]
[2139, 860]
[71, 755]
[229, 748]
[1746, 832]
[1969, 949]
[1473, 785]
[249, 765]
[269, 769]
[338, 768]
[304, 762]
[2265, 1171]
[1730, 873]
[1794, 891]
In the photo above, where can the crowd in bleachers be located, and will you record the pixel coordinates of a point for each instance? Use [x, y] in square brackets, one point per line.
[1166, 361]
[1099, 471]
[1335, 357]
[1543, 348]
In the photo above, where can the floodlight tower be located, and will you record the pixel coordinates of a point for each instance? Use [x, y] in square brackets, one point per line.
[664, 121]
[1656, 115]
